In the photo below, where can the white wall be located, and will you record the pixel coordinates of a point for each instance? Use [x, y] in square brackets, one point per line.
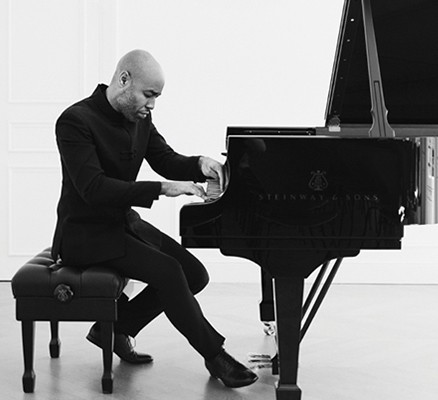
[52, 55]
[227, 62]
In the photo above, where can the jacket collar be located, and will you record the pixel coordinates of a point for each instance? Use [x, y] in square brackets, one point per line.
[99, 97]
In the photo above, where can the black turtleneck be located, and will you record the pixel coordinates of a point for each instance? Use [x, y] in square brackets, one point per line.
[101, 154]
[97, 142]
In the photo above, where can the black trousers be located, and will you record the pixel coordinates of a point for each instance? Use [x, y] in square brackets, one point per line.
[173, 276]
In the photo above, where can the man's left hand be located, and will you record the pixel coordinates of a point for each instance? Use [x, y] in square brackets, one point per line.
[213, 169]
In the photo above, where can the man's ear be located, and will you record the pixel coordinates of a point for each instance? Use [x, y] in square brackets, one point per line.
[124, 78]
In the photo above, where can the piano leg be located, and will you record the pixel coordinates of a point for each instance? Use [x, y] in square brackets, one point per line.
[267, 303]
[288, 307]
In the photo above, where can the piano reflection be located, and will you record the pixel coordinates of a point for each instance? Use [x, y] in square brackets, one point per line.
[300, 197]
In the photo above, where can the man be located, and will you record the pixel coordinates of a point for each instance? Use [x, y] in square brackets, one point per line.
[103, 141]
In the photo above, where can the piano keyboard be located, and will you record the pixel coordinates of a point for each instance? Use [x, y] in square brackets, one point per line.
[213, 190]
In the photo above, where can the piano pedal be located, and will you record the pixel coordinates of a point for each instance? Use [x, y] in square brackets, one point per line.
[259, 361]
[269, 328]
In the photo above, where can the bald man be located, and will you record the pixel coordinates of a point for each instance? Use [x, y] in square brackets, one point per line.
[102, 141]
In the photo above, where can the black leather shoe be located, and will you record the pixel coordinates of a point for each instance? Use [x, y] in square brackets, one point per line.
[122, 347]
[231, 372]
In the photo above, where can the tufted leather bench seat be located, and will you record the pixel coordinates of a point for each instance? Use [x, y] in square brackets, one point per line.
[48, 291]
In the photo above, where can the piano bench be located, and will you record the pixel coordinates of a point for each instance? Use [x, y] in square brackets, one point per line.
[48, 291]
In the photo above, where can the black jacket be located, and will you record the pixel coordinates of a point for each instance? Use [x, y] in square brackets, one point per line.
[101, 154]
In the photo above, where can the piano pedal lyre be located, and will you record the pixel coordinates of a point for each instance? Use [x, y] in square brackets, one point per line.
[267, 304]
[321, 296]
[261, 361]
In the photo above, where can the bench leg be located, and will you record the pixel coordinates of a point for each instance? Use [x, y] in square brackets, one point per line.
[55, 343]
[107, 337]
[28, 337]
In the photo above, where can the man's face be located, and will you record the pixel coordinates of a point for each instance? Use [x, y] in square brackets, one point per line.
[138, 97]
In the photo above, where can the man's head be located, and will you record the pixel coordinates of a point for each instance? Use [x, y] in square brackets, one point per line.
[136, 83]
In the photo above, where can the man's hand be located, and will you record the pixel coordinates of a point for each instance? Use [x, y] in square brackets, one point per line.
[213, 169]
[174, 189]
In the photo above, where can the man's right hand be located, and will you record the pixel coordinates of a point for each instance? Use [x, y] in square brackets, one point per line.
[174, 189]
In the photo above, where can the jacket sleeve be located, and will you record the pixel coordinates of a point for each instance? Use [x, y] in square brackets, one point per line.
[81, 163]
[170, 164]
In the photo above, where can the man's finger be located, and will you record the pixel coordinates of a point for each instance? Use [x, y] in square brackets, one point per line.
[199, 191]
[220, 174]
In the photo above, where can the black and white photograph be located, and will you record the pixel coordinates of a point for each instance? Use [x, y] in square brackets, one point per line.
[219, 200]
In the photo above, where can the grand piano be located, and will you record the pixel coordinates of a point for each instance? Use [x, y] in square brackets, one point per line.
[299, 197]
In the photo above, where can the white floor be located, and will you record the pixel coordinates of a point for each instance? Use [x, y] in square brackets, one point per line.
[374, 342]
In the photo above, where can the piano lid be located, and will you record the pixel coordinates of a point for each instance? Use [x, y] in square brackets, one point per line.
[407, 45]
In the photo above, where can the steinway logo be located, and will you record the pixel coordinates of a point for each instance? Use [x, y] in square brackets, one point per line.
[317, 197]
[318, 183]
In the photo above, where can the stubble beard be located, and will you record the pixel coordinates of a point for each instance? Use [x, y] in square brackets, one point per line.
[126, 107]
